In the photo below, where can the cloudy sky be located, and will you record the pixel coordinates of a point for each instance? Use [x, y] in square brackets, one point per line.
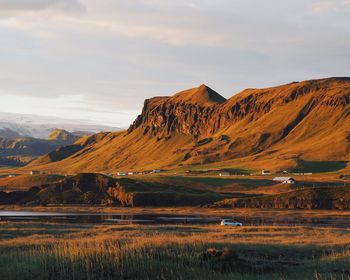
[99, 59]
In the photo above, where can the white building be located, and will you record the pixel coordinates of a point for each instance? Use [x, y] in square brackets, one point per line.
[224, 174]
[34, 172]
[284, 180]
[265, 172]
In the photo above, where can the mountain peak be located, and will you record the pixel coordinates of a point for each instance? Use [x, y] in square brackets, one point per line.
[202, 95]
[62, 135]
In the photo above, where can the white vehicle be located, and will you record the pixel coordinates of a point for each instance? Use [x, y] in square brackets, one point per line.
[227, 222]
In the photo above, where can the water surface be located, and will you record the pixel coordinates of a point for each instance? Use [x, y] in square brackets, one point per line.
[158, 219]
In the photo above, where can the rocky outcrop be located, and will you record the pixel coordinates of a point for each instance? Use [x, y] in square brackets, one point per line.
[189, 112]
[168, 117]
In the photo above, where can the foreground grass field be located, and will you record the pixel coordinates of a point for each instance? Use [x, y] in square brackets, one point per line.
[30, 250]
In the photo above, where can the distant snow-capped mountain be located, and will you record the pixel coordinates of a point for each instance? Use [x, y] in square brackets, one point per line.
[42, 126]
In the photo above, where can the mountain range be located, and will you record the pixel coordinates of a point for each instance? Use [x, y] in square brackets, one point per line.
[16, 150]
[34, 126]
[276, 128]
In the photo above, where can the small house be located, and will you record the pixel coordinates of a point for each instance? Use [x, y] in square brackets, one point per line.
[284, 180]
[223, 174]
[122, 173]
[265, 172]
[34, 172]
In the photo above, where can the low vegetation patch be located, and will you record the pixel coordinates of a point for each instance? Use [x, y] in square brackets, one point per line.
[308, 198]
[92, 188]
[305, 166]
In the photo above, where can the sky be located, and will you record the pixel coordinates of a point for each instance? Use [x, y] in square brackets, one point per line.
[98, 60]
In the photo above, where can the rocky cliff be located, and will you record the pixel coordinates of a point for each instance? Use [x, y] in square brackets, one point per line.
[188, 112]
[200, 115]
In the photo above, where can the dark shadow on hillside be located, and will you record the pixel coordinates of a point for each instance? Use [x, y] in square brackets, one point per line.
[319, 166]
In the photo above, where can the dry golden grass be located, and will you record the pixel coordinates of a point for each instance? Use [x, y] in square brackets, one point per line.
[35, 251]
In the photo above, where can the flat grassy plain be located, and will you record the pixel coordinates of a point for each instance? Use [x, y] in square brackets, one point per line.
[239, 186]
[33, 250]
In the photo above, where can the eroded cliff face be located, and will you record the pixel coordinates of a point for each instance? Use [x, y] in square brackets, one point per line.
[163, 115]
[188, 112]
[167, 117]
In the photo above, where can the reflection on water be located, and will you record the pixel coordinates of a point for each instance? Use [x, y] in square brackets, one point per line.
[114, 218]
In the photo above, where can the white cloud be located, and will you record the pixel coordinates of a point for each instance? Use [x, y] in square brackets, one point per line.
[325, 6]
[39, 5]
[117, 52]
[63, 106]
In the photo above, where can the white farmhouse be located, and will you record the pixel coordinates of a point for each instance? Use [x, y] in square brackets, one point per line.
[284, 180]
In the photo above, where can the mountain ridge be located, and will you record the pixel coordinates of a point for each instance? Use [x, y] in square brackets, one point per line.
[272, 127]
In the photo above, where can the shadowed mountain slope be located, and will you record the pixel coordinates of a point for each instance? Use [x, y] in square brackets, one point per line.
[17, 151]
[273, 127]
[8, 133]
